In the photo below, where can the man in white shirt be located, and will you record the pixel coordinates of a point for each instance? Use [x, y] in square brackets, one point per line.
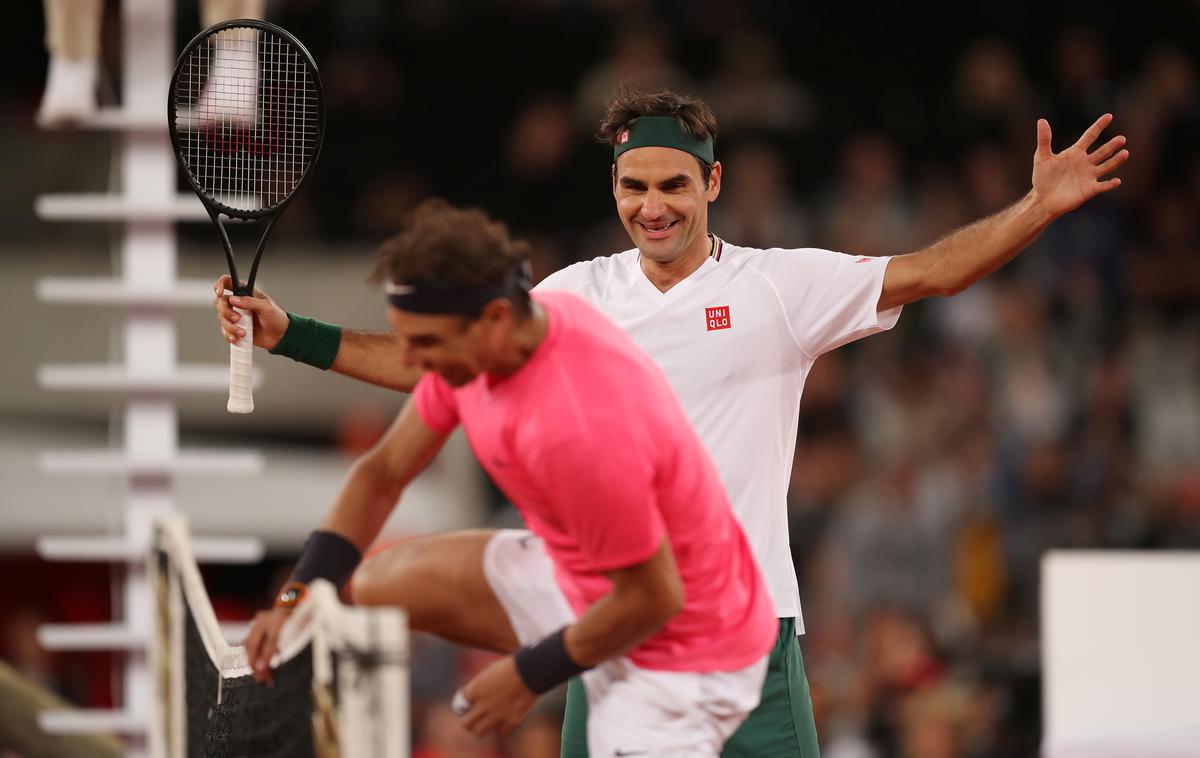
[736, 330]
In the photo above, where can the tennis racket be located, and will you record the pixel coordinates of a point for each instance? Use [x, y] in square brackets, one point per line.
[246, 114]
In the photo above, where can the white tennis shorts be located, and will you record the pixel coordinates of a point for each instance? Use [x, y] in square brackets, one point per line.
[631, 711]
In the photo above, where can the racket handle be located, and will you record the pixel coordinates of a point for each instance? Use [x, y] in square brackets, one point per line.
[241, 366]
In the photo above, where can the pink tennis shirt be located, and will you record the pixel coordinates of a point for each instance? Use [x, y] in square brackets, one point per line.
[589, 442]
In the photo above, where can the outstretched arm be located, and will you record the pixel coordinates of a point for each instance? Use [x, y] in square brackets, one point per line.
[372, 357]
[1061, 183]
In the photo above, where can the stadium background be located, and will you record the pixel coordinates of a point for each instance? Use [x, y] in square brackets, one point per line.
[1055, 404]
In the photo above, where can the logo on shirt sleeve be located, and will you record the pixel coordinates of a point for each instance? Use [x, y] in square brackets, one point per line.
[717, 318]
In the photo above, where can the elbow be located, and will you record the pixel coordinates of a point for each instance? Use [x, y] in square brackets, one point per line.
[373, 475]
[670, 601]
[657, 607]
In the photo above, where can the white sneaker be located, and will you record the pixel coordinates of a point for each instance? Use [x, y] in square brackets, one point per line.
[230, 95]
[70, 96]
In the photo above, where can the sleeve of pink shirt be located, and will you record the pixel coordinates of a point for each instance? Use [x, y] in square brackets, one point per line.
[436, 404]
[604, 487]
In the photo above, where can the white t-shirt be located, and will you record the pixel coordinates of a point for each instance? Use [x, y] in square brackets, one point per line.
[736, 340]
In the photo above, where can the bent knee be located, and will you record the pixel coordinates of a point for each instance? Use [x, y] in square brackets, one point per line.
[420, 574]
[361, 587]
[374, 581]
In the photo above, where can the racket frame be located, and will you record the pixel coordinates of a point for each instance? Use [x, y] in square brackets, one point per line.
[215, 208]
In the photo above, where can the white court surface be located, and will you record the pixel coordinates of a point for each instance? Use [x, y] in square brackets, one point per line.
[1121, 654]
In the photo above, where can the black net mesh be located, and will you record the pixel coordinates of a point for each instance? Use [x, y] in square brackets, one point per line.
[221, 717]
[241, 718]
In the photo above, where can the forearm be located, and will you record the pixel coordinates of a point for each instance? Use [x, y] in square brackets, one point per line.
[965, 256]
[615, 624]
[366, 500]
[376, 358]
[378, 478]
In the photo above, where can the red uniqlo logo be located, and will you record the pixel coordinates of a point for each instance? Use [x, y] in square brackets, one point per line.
[717, 318]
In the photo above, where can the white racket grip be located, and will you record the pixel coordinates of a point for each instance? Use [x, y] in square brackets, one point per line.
[241, 366]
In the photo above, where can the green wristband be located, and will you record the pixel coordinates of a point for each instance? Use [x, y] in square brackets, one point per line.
[309, 341]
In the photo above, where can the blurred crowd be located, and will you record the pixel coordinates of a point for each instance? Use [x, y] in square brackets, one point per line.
[1054, 405]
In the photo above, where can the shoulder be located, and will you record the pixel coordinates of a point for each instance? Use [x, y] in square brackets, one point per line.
[778, 256]
[809, 263]
[579, 276]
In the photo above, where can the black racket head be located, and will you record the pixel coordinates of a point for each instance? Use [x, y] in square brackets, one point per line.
[246, 115]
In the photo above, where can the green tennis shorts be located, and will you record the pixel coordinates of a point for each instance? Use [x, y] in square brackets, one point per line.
[780, 727]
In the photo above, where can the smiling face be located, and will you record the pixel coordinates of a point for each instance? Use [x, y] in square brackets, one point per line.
[662, 200]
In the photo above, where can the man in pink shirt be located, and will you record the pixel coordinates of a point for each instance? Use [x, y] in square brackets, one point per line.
[635, 570]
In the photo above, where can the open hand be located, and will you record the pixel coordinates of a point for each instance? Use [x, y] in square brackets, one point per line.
[1062, 182]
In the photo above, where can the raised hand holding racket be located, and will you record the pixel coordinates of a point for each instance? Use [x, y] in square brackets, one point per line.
[246, 114]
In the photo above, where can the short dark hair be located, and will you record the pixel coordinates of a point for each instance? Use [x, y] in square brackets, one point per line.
[630, 104]
[450, 245]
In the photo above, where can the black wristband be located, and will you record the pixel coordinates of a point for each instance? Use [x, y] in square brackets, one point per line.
[544, 666]
[327, 556]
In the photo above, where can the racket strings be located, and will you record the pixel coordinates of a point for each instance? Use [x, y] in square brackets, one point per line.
[247, 117]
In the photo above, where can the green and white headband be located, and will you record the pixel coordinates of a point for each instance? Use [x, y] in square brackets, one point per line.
[663, 131]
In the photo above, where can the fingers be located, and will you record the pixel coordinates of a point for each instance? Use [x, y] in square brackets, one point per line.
[262, 643]
[225, 284]
[477, 718]
[1108, 184]
[229, 321]
[227, 317]
[254, 638]
[1093, 132]
[1043, 138]
[1112, 164]
[1106, 151]
[256, 642]
[254, 304]
[479, 721]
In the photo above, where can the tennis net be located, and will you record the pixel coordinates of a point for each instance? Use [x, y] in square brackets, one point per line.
[341, 674]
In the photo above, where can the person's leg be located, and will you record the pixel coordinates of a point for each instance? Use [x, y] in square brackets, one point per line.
[574, 731]
[216, 11]
[782, 724]
[230, 95]
[73, 41]
[440, 582]
[73, 28]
